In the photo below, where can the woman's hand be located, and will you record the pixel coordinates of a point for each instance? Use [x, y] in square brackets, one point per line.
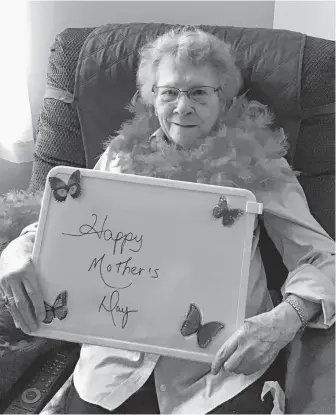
[258, 341]
[19, 284]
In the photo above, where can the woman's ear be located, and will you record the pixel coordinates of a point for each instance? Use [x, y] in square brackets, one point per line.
[222, 98]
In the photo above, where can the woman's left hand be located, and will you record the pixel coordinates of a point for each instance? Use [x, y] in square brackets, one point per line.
[258, 341]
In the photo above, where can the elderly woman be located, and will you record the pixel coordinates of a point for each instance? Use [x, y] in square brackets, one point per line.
[190, 125]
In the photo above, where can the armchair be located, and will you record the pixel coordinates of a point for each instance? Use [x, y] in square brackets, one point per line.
[90, 80]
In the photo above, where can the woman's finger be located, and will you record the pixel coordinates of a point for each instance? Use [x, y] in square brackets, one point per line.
[34, 292]
[19, 320]
[23, 305]
[14, 311]
[36, 301]
[233, 362]
[224, 353]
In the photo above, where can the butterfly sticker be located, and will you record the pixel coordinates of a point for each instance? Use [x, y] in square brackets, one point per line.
[61, 189]
[59, 309]
[205, 332]
[222, 210]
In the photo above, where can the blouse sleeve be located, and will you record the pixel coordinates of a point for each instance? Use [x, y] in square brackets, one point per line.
[32, 228]
[306, 248]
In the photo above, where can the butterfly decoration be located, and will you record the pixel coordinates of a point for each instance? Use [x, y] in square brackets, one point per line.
[205, 332]
[59, 309]
[61, 189]
[222, 210]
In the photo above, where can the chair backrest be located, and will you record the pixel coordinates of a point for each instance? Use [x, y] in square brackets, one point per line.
[270, 62]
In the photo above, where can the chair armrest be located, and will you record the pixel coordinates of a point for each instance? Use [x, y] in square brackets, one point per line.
[310, 377]
[56, 405]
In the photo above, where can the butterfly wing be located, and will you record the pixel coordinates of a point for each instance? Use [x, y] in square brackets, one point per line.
[74, 184]
[217, 212]
[60, 305]
[49, 313]
[230, 216]
[192, 322]
[207, 332]
[59, 188]
[219, 208]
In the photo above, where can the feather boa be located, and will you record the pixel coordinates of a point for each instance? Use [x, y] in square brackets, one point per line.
[18, 209]
[242, 153]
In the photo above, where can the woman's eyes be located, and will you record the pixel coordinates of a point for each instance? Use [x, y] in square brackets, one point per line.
[192, 92]
[171, 92]
[198, 92]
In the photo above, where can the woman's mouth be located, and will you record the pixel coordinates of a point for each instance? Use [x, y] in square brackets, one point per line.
[184, 126]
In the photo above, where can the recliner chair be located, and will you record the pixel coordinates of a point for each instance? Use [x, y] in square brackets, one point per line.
[90, 80]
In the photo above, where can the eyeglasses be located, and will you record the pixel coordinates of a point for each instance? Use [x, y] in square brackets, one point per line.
[199, 94]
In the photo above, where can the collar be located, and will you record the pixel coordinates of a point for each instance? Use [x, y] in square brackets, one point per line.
[158, 138]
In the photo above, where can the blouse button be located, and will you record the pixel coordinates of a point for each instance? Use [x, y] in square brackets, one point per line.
[163, 388]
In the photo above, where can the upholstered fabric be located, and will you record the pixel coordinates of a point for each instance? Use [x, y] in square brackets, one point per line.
[18, 351]
[105, 76]
[59, 140]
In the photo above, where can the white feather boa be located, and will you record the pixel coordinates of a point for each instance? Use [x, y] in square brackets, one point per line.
[242, 153]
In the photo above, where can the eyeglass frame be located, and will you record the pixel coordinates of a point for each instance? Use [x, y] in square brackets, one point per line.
[187, 92]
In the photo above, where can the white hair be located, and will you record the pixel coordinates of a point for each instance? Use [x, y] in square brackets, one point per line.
[195, 46]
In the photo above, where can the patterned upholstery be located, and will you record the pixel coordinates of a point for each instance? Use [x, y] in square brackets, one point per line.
[59, 140]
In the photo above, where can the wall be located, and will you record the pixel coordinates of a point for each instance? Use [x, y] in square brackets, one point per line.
[48, 18]
[315, 18]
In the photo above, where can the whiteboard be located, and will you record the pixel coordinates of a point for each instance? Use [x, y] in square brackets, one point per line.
[141, 263]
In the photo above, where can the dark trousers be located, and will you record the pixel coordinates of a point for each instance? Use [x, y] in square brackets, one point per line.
[144, 401]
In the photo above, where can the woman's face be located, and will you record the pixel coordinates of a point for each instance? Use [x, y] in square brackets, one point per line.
[183, 120]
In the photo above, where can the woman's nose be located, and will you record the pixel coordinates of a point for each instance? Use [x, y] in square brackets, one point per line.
[183, 105]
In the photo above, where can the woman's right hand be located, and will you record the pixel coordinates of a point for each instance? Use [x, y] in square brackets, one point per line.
[19, 285]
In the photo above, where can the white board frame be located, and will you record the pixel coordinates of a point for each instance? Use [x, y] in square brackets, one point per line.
[252, 209]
